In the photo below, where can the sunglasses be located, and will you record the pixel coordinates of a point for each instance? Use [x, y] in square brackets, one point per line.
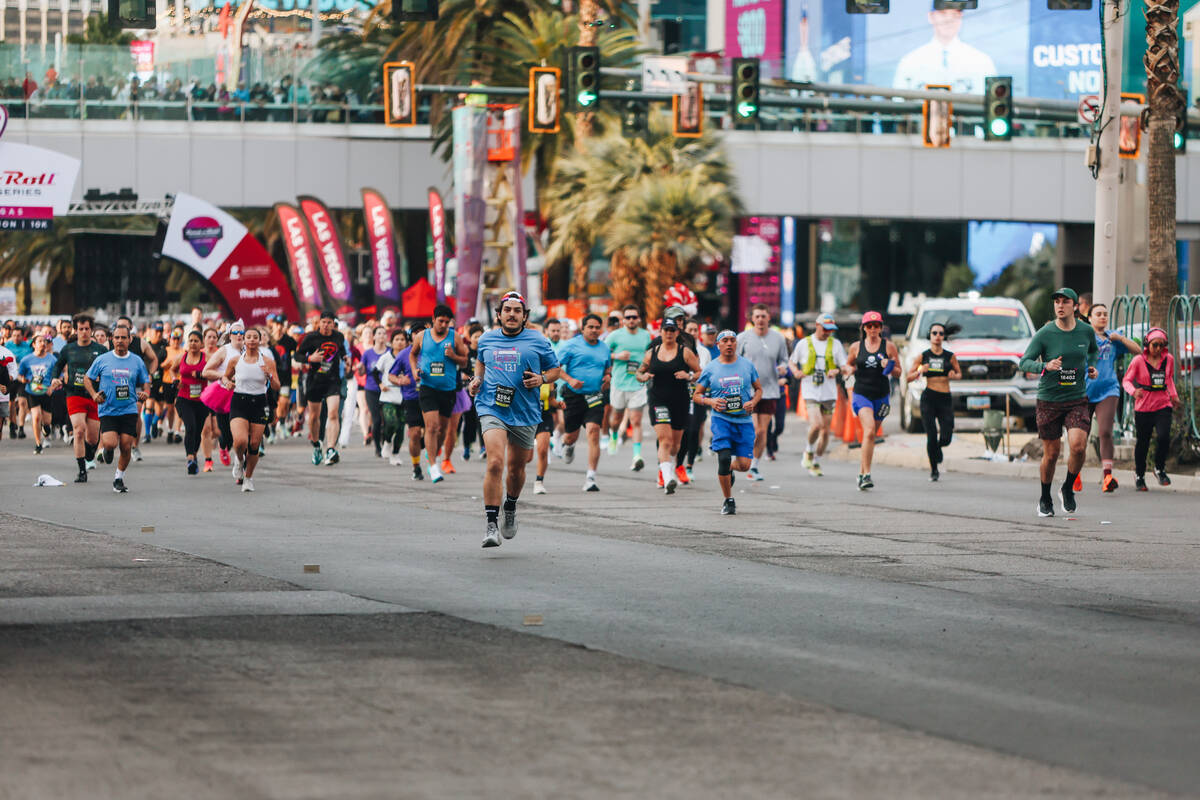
[873, 325]
[937, 333]
[632, 316]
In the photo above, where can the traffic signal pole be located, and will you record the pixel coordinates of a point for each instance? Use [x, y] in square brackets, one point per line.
[1108, 170]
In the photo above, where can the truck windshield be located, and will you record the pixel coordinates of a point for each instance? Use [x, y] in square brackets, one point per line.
[981, 322]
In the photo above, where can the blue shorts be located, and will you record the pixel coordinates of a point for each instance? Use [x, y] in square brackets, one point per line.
[737, 436]
[880, 407]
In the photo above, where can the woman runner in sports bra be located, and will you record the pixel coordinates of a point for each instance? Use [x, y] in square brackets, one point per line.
[872, 361]
[670, 366]
[938, 366]
[189, 365]
[249, 375]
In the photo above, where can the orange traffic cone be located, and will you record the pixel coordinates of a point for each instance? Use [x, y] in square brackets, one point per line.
[801, 406]
[850, 428]
[839, 413]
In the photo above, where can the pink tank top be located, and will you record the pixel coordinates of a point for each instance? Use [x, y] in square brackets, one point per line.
[190, 382]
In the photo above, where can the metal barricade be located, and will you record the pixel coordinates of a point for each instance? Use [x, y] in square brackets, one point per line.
[1129, 314]
[1183, 314]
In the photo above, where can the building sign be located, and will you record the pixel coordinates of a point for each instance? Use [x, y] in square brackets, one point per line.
[754, 29]
[35, 186]
[143, 58]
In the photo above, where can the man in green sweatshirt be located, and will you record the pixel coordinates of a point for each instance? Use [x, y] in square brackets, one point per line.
[1063, 351]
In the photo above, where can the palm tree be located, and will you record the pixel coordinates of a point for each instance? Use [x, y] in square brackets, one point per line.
[22, 252]
[1164, 105]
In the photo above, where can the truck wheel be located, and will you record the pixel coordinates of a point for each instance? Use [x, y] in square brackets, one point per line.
[908, 421]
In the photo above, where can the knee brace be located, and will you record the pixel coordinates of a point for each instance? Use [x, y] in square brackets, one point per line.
[724, 461]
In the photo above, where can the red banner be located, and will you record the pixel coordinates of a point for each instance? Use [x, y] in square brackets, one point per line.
[437, 227]
[301, 258]
[381, 240]
[330, 253]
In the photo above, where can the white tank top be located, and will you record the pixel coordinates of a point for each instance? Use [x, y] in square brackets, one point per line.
[250, 378]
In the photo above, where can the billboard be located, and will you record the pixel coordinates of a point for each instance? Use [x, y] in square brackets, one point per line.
[754, 29]
[35, 186]
[1049, 54]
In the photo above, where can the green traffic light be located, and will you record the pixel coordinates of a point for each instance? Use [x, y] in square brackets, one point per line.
[999, 127]
[746, 110]
[586, 98]
[1178, 140]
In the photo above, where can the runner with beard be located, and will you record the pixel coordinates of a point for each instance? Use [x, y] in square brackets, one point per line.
[514, 363]
[76, 359]
[324, 351]
[123, 382]
[586, 369]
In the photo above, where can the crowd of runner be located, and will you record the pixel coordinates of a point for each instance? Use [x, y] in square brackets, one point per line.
[520, 392]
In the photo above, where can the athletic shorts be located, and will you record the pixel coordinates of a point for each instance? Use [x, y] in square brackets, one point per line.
[766, 405]
[170, 392]
[736, 436]
[582, 409]
[825, 407]
[293, 395]
[547, 423]
[4, 410]
[1053, 417]
[412, 413]
[318, 391]
[622, 399]
[157, 391]
[82, 405]
[123, 424]
[250, 407]
[674, 413]
[41, 401]
[521, 436]
[880, 407]
[437, 400]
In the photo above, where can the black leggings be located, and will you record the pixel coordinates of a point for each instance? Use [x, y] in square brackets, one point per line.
[194, 414]
[1147, 423]
[694, 439]
[937, 412]
[225, 440]
[392, 431]
[775, 428]
[376, 418]
[470, 427]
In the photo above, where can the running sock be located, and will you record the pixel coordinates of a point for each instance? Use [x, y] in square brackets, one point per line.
[416, 461]
[82, 464]
[119, 474]
[540, 478]
[1068, 486]
[1107, 464]
[1046, 491]
[591, 473]
[90, 450]
[510, 503]
[492, 513]
[637, 449]
[810, 448]
[754, 463]
[665, 468]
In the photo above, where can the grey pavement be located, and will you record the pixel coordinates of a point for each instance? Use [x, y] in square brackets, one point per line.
[945, 609]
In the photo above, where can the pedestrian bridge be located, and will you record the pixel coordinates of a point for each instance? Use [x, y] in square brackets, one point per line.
[806, 173]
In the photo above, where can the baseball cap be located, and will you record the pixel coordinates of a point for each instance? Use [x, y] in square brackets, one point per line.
[669, 325]
[674, 312]
[872, 316]
[158, 326]
[1066, 292]
[726, 334]
[826, 322]
[708, 327]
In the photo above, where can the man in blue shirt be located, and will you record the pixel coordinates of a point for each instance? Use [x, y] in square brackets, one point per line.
[124, 381]
[435, 357]
[729, 386]
[586, 364]
[513, 364]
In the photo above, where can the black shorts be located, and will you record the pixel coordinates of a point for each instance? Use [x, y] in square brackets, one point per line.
[412, 413]
[673, 412]
[1052, 417]
[437, 400]
[41, 401]
[547, 423]
[322, 390]
[580, 411]
[123, 424]
[250, 407]
[164, 392]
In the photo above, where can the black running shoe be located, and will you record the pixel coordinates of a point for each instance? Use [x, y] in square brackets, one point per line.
[729, 507]
[1140, 484]
[1066, 496]
[1045, 507]
[417, 474]
[1163, 480]
[192, 467]
[934, 475]
[119, 486]
[81, 477]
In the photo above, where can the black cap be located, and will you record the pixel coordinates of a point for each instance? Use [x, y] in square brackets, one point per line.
[158, 326]
[669, 325]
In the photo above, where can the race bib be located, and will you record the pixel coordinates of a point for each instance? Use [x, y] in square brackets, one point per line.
[662, 415]
[504, 396]
[1068, 377]
[937, 365]
[121, 392]
[1158, 380]
[437, 369]
[593, 400]
[158, 375]
[631, 367]
[818, 378]
[36, 386]
[733, 403]
[323, 368]
[883, 411]
[78, 379]
[194, 391]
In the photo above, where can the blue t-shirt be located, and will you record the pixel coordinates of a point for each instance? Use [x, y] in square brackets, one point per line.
[400, 368]
[1106, 383]
[21, 350]
[437, 371]
[713, 351]
[506, 360]
[587, 362]
[734, 382]
[369, 360]
[37, 372]
[119, 379]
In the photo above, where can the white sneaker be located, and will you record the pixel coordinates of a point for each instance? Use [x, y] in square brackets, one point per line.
[395, 461]
[248, 485]
[238, 472]
[508, 523]
[492, 537]
[90, 464]
[808, 460]
[539, 487]
[568, 453]
[753, 474]
[669, 486]
[589, 485]
[435, 474]
[137, 454]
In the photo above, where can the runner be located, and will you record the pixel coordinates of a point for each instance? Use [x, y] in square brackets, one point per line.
[1062, 351]
[170, 383]
[11, 388]
[938, 366]
[470, 419]
[123, 382]
[1151, 380]
[156, 407]
[817, 360]
[324, 351]
[139, 347]
[873, 361]
[35, 372]
[190, 367]
[549, 407]
[19, 346]
[400, 374]
[211, 431]
[371, 387]
[514, 362]
[391, 395]
[77, 358]
[670, 367]
[436, 354]
[729, 386]
[214, 370]
[628, 346]
[586, 368]
[1104, 393]
[284, 347]
[249, 374]
[767, 350]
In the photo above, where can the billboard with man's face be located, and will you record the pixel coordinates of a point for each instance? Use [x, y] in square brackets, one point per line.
[1050, 54]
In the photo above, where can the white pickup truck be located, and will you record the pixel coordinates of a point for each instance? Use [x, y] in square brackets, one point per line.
[992, 335]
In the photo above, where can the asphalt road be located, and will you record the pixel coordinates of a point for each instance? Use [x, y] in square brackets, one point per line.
[948, 609]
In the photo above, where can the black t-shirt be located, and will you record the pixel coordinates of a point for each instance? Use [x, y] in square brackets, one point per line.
[284, 349]
[160, 352]
[78, 360]
[938, 366]
[332, 347]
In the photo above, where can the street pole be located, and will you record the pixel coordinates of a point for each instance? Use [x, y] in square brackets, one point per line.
[1108, 176]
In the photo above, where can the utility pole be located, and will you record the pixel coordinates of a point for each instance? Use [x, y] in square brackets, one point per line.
[1108, 174]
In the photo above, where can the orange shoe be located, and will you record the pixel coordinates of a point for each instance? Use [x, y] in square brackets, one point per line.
[447, 467]
[660, 480]
[681, 475]
[1078, 484]
[1109, 484]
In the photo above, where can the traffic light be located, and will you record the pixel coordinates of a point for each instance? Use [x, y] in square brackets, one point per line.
[414, 10]
[1069, 5]
[136, 14]
[954, 5]
[687, 112]
[744, 99]
[997, 108]
[583, 78]
[866, 6]
[633, 119]
[1181, 129]
[399, 95]
[543, 99]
